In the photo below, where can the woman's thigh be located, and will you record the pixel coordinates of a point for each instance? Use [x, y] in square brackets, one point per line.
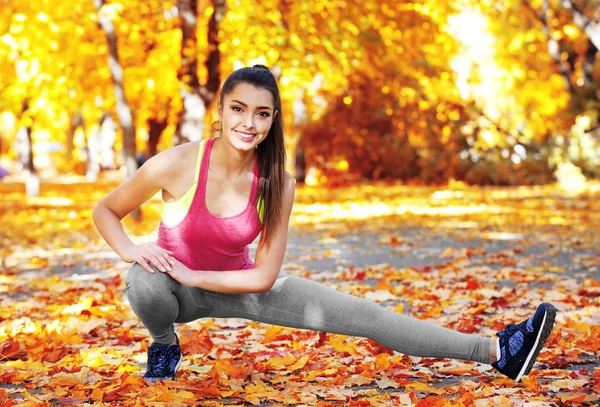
[195, 303]
[293, 301]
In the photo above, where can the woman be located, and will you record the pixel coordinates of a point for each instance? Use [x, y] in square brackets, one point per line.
[219, 194]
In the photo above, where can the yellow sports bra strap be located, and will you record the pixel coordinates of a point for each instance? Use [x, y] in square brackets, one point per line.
[260, 205]
[199, 159]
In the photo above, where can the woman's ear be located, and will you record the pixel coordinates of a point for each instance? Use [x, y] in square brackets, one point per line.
[220, 111]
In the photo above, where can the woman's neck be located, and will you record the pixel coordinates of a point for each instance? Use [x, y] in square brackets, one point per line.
[230, 161]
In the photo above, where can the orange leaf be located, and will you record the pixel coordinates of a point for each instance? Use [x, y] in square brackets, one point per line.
[55, 355]
[433, 401]
[271, 333]
[419, 386]
[531, 383]
[571, 398]
[97, 394]
[382, 361]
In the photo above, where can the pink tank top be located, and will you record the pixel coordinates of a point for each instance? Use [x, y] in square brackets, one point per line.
[203, 241]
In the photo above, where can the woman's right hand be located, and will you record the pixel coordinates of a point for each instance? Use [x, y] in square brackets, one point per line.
[149, 253]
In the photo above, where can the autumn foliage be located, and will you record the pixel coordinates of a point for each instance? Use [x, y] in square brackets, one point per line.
[425, 90]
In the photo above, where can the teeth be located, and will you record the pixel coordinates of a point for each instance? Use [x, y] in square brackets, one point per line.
[245, 135]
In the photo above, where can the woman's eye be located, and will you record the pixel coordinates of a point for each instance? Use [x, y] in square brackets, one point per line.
[239, 109]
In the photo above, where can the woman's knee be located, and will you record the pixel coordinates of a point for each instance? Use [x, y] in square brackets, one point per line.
[139, 281]
[151, 296]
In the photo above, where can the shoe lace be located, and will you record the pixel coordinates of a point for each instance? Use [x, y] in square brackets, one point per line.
[510, 329]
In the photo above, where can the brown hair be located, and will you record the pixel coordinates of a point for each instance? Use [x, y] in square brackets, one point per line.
[271, 151]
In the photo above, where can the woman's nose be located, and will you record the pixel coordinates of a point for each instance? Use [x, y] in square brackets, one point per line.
[249, 120]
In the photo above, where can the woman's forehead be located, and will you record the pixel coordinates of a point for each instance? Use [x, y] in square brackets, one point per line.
[250, 95]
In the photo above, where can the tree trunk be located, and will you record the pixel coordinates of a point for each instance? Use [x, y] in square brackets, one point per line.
[554, 48]
[300, 165]
[299, 109]
[76, 122]
[122, 107]
[155, 129]
[93, 148]
[196, 98]
[106, 142]
[585, 23]
[213, 62]
[25, 151]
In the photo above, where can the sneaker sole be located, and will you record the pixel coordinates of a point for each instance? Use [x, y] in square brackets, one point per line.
[178, 364]
[547, 325]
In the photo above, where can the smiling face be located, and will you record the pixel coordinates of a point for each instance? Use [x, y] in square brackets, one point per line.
[246, 115]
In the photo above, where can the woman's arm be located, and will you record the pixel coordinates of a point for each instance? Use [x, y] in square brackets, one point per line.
[107, 214]
[267, 263]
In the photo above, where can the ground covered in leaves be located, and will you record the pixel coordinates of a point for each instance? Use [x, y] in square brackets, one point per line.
[472, 259]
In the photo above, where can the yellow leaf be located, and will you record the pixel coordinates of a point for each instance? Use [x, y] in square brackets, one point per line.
[382, 361]
[278, 362]
[38, 262]
[339, 343]
[75, 309]
[127, 368]
[418, 386]
[271, 333]
[96, 358]
[312, 375]
[259, 391]
[299, 364]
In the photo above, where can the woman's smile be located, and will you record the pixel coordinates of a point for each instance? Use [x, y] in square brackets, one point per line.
[245, 136]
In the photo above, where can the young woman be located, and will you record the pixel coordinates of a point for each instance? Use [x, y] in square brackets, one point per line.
[219, 195]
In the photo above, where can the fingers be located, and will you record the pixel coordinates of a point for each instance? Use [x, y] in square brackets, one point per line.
[159, 261]
[159, 258]
[167, 258]
[144, 263]
[163, 256]
[150, 254]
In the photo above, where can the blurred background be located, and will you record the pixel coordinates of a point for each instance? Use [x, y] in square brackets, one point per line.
[447, 155]
[426, 92]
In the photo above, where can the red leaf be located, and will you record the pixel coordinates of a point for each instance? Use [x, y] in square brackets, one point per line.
[433, 401]
[11, 350]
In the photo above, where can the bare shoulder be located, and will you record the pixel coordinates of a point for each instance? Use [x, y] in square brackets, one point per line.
[289, 187]
[290, 182]
[170, 162]
[160, 172]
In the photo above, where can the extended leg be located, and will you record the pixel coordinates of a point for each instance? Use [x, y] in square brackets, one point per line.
[302, 303]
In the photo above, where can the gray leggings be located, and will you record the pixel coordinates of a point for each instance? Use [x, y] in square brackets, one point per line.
[159, 301]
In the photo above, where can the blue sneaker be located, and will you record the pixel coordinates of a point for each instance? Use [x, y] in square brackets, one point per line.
[521, 344]
[163, 361]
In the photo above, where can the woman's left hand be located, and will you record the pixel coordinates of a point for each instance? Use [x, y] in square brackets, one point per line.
[183, 274]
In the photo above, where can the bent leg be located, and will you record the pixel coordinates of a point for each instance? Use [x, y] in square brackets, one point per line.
[302, 303]
[153, 300]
